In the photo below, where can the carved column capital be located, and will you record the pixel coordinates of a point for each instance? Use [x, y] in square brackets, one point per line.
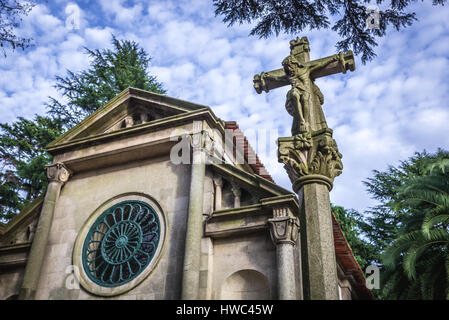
[310, 157]
[58, 172]
[236, 190]
[203, 145]
[218, 181]
[201, 141]
[284, 228]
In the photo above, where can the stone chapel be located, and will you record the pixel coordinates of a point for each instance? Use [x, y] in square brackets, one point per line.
[121, 220]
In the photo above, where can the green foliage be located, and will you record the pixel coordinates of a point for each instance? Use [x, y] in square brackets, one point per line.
[22, 143]
[23, 157]
[410, 227]
[111, 72]
[295, 16]
[385, 220]
[11, 13]
[352, 224]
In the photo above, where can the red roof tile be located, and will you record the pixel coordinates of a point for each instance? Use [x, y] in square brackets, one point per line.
[347, 259]
[249, 153]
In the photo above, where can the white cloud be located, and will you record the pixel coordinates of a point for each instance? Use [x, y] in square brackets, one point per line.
[123, 15]
[98, 38]
[381, 113]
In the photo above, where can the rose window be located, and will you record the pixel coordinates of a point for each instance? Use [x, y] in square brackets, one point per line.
[121, 243]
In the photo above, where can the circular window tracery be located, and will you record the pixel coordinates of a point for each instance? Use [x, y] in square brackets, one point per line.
[121, 243]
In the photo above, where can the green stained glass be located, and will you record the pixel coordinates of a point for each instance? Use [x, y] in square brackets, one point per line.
[121, 243]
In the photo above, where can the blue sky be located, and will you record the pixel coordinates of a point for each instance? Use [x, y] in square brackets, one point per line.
[381, 113]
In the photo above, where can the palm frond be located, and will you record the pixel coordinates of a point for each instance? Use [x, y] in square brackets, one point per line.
[441, 165]
[402, 244]
[430, 196]
[433, 217]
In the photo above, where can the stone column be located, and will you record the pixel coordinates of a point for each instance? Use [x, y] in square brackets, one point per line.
[57, 175]
[284, 233]
[237, 192]
[218, 182]
[194, 232]
[312, 161]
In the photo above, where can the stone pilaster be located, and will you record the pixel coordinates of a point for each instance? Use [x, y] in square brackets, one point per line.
[194, 232]
[57, 175]
[284, 228]
[312, 162]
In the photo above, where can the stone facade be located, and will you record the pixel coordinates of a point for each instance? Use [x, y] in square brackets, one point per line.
[80, 197]
[228, 233]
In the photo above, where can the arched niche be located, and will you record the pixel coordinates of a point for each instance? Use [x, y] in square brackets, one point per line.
[245, 285]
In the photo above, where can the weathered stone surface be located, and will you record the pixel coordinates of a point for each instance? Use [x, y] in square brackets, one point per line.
[235, 257]
[284, 228]
[57, 174]
[304, 99]
[84, 193]
[254, 252]
[319, 262]
[194, 232]
[311, 159]
[246, 285]
[286, 271]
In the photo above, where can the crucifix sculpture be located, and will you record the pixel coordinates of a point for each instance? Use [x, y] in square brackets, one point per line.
[304, 99]
[312, 161]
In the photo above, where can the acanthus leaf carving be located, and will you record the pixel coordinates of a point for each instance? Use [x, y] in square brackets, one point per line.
[327, 159]
[293, 153]
[309, 154]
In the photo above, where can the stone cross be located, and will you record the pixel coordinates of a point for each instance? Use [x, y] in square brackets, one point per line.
[311, 159]
[304, 99]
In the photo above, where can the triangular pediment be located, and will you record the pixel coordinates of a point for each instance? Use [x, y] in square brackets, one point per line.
[129, 108]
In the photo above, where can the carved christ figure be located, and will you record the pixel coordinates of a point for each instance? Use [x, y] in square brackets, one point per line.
[304, 99]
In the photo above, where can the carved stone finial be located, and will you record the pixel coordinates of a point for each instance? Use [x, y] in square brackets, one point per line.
[57, 172]
[300, 48]
[298, 41]
[310, 158]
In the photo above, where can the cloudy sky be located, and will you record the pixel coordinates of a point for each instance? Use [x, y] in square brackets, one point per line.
[381, 113]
